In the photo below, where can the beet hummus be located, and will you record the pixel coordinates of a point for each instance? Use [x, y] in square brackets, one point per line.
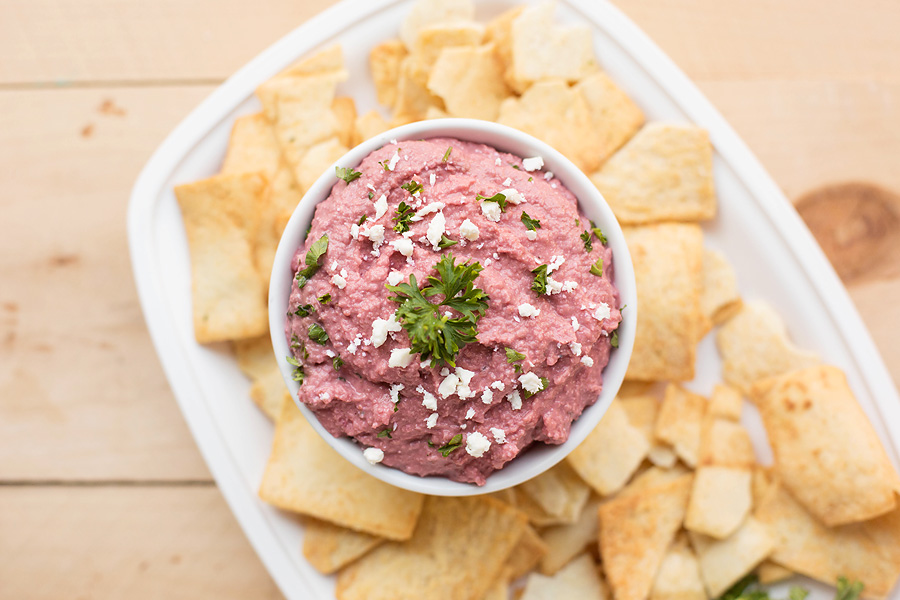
[454, 387]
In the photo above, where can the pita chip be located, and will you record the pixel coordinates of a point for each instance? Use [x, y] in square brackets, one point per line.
[720, 500]
[384, 63]
[754, 345]
[680, 422]
[529, 551]
[328, 547]
[635, 532]
[371, 124]
[425, 13]
[305, 475]
[651, 478]
[318, 159]
[826, 452]
[255, 356]
[679, 575]
[724, 562]
[559, 491]
[431, 41]
[579, 579]
[720, 299]
[726, 403]
[667, 266]
[614, 115]
[327, 60]
[458, 550]
[270, 393]
[469, 80]
[770, 572]
[664, 173]
[725, 443]
[564, 542]
[642, 411]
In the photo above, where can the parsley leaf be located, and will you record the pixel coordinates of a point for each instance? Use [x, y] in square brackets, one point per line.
[403, 217]
[499, 198]
[614, 339]
[433, 334]
[513, 357]
[317, 334]
[299, 374]
[313, 255]
[303, 310]
[362, 219]
[446, 242]
[337, 362]
[413, 187]
[385, 433]
[347, 174]
[530, 224]
[447, 154]
[544, 383]
[371, 194]
[298, 344]
[847, 590]
[539, 284]
[597, 267]
[324, 298]
[586, 239]
[454, 443]
[598, 233]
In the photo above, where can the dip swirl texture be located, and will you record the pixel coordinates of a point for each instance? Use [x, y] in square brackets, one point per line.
[541, 347]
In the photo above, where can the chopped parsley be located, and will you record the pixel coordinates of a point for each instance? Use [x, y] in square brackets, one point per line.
[847, 590]
[748, 589]
[324, 298]
[539, 284]
[530, 179]
[299, 374]
[371, 194]
[598, 233]
[433, 334]
[586, 239]
[516, 167]
[586, 235]
[413, 187]
[614, 339]
[597, 267]
[347, 174]
[337, 362]
[317, 334]
[544, 383]
[385, 433]
[384, 165]
[446, 242]
[403, 217]
[447, 154]
[530, 224]
[362, 219]
[303, 310]
[313, 256]
[454, 443]
[499, 198]
[513, 357]
[297, 344]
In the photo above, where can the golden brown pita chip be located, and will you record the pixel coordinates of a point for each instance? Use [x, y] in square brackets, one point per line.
[635, 532]
[499, 589]
[413, 97]
[559, 491]
[651, 478]
[529, 551]
[664, 173]
[459, 548]
[318, 160]
[220, 217]
[432, 12]
[680, 422]
[642, 411]
[867, 551]
[305, 475]
[564, 542]
[255, 356]
[327, 60]
[826, 452]
[770, 572]
[611, 453]
[344, 109]
[431, 41]
[724, 562]
[328, 547]
[579, 579]
[725, 443]
[270, 393]
[614, 115]
[754, 345]
[370, 124]
[726, 403]
[384, 62]
[667, 267]
[720, 299]
[544, 50]
[499, 32]
[470, 82]
[536, 514]
[720, 500]
[679, 575]
[765, 483]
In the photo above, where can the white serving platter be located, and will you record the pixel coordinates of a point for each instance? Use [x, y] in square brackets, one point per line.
[775, 256]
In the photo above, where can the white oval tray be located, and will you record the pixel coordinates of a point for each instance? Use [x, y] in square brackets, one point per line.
[775, 256]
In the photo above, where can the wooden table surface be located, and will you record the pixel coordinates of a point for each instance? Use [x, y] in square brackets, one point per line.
[103, 493]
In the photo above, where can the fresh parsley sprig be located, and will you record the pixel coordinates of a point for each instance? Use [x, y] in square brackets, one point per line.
[347, 174]
[433, 334]
[530, 224]
[539, 284]
[413, 187]
[454, 443]
[446, 242]
[597, 267]
[586, 236]
[403, 217]
[499, 198]
[513, 357]
[313, 256]
[299, 374]
[317, 334]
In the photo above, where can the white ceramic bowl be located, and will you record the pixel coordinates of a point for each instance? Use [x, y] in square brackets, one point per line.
[540, 457]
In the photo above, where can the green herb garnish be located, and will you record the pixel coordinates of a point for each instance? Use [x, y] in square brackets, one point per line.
[337, 362]
[403, 217]
[413, 187]
[539, 284]
[433, 334]
[371, 194]
[847, 590]
[385, 433]
[313, 255]
[513, 357]
[530, 179]
[298, 373]
[447, 154]
[614, 339]
[597, 267]
[317, 334]
[347, 174]
[384, 164]
[544, 383]
[499, 198]
[598, 233]
[516, 167]
[446, 242]
[748, 589]
[324, 298]
[362, 219]
[303, 310]
[454, 443]
[530, 224]
[586, 239]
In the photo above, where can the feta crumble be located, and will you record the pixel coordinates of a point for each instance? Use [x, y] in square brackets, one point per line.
[400, 357]
[513, 196]
[436, 230]
[575, 347]
[381, 207]
[448, 385]
[499, 435]
[339, 281]
[431, 421]
[394, 160]
[531, 383]
[515, 400]
[395, 392]
[534, 163]
[491, 211]
[477, 444]
[381, 328]
[468, 230]
[373, 455]
[470, 413]
[498, 385]
[587, 361]
[575, 325]
[404, 246]
[487, 396]
[602, 311]
[527, 310]
[395, 277]
[531, 234]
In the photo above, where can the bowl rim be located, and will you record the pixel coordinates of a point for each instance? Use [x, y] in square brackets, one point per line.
[536, 459]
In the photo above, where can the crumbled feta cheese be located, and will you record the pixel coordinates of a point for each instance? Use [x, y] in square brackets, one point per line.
[477, 444]
[602, 311]
[587, 361]
[381, 328]
[507, 182]
[513, 196]
[394, 160]
[400, 357]
[426, 210]
[555, 263]
[575, 347]
[431, 179]
[470, 413]
[425, 364]
[395, 277]
[531, 234]
[468, 230]
[491, 211]
[496, 256]
[531, 382]
[487, 396]
[570, 286]
[445, 371]
[373, 455]
[324, 396]
[436, 230]
[515, 400]
[431, 421]
[395, 392]
[553, 286]
[404, 246]
[462, 388]
[352, 346]
[448, 385]
[334, 265]
[498, 385]
[429, 400]
[354, 231]
[339, 281]
[370, 186]
[380, 207]
[488, 262]
[375, 233]
[533, 164]
[575, 325]
[548, 176]
[330, 353]
[527, 310]
[498, 162]
[499, 435]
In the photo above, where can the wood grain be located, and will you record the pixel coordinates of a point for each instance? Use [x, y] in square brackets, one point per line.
[94, 543]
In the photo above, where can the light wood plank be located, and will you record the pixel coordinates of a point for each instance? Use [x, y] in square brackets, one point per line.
[82, 394]
[98, 543]
[64, 41]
